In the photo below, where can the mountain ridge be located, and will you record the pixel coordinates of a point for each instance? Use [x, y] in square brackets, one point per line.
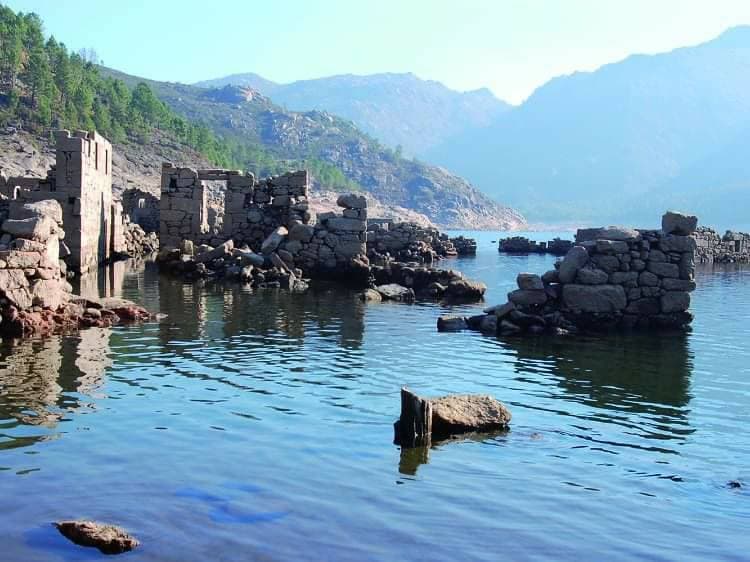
[242, 115]
[398, 108]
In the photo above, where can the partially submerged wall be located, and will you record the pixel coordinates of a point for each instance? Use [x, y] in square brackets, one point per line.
[732, 247]
[81, 182]
[613, 278]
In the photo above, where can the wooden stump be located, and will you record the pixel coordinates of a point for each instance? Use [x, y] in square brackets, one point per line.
[414, 426]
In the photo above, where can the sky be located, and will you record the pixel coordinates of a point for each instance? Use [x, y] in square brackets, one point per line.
[508, 46]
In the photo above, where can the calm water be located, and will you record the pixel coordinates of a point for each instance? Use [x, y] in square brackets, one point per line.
[258, 426]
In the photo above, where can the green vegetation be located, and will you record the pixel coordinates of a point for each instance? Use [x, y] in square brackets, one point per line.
[43, 87]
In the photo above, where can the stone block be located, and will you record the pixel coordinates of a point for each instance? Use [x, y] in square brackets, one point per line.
[352, 201]
[673, 222]
[522, 297]
[594, 298]
[663, 269]
[591, 276]
[529, 282]
[675, 301]
[351, 225]
[575, 259]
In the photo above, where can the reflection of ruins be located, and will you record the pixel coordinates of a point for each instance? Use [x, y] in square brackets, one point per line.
[38, 377]
[640, 374]
[202, 310]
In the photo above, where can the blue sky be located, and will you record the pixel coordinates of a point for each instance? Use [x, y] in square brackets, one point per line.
[509, 46]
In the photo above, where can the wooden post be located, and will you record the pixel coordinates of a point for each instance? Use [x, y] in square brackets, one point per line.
[414, 427]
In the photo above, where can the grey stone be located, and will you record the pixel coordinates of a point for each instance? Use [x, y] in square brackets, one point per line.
[591, 276]
[675, 301]
[611, 246]
[530, 282]
[673, 222]
[678, 285]
[677, 243]
[575, 259]
[508, 328]
[629, 278]
[302, 232]
[644, 307]
[608, 233]
[352, 201]
[501, 310]
[594, 298]
[664, 269]
[608, 263]
[648, 279]
[395, 292]
[350, 225]
[521, 297]
[488, 325]
[451, 324]
[551, 276]
[273, 240]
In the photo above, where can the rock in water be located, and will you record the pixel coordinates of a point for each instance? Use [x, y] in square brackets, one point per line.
[107, 538]
[395, 292]
[468, 412]
[451, 324]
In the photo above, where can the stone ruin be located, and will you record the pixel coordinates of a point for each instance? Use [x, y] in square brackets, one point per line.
[388, 240]
[612, 278]
[81, 182]
[523, 245]
[733, 247]
[268, 238]
[96, 229]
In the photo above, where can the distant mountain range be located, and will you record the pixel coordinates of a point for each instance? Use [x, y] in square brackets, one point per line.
[246, 118]
[398, 109]
[619, 144]
[624, 142]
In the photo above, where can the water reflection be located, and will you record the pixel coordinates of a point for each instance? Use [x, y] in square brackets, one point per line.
[43, 380]
[206, 310]
[644, 376]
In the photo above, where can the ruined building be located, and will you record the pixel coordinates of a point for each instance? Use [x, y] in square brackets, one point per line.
[81, 182]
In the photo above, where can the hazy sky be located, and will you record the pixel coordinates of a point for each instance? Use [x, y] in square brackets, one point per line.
[509, 46]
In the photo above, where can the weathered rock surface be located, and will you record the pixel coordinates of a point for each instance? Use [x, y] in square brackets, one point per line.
[594, 298]
[674, 222]
[395, 292]
[574, 260]
[460, 413]
[107, 538]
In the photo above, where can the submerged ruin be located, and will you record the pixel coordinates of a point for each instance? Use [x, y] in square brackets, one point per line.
[613, 278]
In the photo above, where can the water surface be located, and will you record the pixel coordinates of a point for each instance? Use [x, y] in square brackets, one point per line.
[258, 425]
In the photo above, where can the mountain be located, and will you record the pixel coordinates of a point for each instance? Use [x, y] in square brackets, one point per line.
[398, 109]
[624, 142]
[242, 116]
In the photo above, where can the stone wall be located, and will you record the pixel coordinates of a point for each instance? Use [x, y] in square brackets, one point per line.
[523, 245]
[733, 247]
[81, 183]
[142, 208]
[183, 212]
[612, 278]
[409, 242]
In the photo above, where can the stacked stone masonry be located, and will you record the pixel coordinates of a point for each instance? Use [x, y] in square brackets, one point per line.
[409, 242]
[81, 183]
[612, 278]
[523, 245]
[733, 247]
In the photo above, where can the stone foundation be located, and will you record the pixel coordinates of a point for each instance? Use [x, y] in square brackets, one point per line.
[613, 278]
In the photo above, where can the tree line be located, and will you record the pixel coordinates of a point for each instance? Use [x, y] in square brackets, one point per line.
[43, 86]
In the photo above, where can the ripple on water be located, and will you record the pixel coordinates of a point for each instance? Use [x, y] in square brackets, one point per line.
[259, 425]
